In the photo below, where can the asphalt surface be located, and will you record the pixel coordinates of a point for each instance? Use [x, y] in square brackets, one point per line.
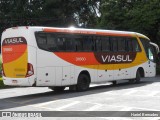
[100, 97]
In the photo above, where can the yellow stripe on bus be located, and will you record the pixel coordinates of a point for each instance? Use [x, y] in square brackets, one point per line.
[140, 59]
[17, 68]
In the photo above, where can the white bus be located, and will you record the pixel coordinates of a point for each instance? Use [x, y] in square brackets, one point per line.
[73, 57]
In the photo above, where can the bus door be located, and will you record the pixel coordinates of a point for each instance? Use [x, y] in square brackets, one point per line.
[152, 61]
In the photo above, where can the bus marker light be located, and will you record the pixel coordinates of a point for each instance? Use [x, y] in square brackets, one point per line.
[30, 70]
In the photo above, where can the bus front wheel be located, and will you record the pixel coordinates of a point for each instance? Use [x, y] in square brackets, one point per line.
[138, 77]
[83, 83]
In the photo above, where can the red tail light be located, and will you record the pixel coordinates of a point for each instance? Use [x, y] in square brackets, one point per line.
[30, 70]
[3, 74]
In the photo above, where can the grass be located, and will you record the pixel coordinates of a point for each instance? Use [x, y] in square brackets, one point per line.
[1, 83]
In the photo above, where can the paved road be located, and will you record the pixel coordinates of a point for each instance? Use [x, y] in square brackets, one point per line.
[122, 97]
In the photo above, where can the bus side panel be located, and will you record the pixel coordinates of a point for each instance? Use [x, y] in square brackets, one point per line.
[66, 77]
[52, 70]
[105, 75]
[72, 75]
[120, 73]
[59, 72]
[150, 69]
[46, 73]
[46, 76]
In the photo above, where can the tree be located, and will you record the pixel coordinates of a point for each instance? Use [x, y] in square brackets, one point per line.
[48, 12]
[146, 19]
[19, 13]
[87, 12]
[134, 15]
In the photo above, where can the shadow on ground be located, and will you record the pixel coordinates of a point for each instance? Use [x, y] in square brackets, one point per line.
[31, 99]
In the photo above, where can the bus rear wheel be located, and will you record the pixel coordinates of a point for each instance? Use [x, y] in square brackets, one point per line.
[83, 83]
[132, 81]
[57, 89]
[114, 82]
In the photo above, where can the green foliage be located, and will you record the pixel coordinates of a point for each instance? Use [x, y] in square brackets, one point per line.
[1, 81]
[47, 13]
[134, 15]
[0, 66]
[1, 84]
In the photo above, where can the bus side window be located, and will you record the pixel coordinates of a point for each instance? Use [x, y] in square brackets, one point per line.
[98, 44]
[121, 44]
[114, 43]
[70, 43]
[42, 40]
[129, 46]
[51, 42]
[70, 46]
[78, 43]
[152, 53]
[145, 44]
[106, 46]
[87, 43]
[136, 47]
[61, 44]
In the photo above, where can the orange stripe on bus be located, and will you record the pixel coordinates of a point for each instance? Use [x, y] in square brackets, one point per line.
[86, 32]
[79, 58]
[13, 53]
[114, 34]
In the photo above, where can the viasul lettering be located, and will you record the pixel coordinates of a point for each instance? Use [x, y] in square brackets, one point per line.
[116, 58]
[13, 40]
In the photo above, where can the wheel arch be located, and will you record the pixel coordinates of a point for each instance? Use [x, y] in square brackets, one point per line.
[141, 70]
[86, 73]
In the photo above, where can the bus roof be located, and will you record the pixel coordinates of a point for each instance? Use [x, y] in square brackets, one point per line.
[83, 31]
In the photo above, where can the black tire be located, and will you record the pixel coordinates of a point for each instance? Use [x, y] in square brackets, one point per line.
[83, 83]
[114, 82]
[132, 81]
[138, 77]
[72, 88]
[58, 89]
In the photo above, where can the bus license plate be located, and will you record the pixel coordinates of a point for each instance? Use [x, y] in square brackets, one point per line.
[14, 81]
